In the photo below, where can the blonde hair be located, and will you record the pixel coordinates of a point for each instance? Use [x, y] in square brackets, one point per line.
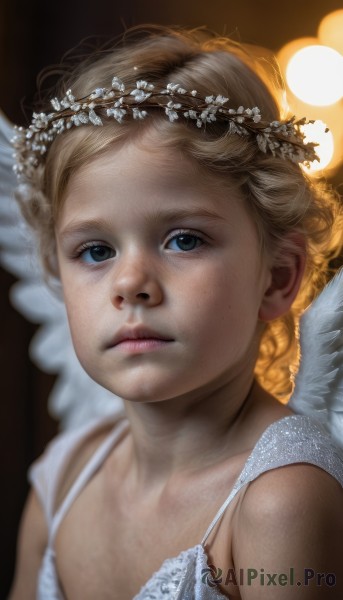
[280, 196]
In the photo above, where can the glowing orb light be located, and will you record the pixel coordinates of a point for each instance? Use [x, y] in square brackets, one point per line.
[315, 75]
[288, 50]
[315, 132]
[330, 30]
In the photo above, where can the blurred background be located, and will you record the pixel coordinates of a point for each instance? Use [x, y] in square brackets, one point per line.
[308, 40]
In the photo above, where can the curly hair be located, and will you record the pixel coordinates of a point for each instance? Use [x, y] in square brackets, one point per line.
[280, 196]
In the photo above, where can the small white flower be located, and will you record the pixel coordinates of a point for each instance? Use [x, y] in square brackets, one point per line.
[144, 85]
[83, 117]
[70, 96]
[194, 93]
[76, 107]
[220, 100]
[171, 114]
[117, 84]
[261, 142]
[98, 93]
[65, 103]
[233, 127]
[139, 114]
[193, 114]
[141, 84]
[117, 113]
[139, 95]
[172, 87]
[207, 116]
[80, 119]
[57, 125]
[75, 119]
[94, 118]
[175, 105]
[118, 102]
[55, 104]
[40, 120]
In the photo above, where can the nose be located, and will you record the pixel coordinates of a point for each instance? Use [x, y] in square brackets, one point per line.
[136, 283]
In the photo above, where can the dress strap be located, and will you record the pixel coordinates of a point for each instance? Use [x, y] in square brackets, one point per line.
[220, 512]
[90, 468]
[290, 440]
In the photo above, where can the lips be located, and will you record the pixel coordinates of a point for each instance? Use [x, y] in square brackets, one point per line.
[138, 333]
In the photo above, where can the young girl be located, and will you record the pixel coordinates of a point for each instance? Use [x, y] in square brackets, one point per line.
[167, 194]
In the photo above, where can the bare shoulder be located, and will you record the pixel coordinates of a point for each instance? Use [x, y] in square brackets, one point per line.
[289, 533]
[290, 486]
[32, 541]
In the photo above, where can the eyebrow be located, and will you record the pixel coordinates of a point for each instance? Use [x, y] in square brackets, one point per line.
[79, 227]
[167, 215]
[83, 226]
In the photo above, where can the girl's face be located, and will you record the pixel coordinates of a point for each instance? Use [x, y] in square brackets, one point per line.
[162, 275]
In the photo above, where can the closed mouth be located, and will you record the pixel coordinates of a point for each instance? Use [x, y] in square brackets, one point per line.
[138, 334]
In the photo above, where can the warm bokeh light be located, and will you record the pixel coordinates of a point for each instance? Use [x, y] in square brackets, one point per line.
[315, 75]
[316, 132]
[330, 31]
[288, 50]
[313, 70]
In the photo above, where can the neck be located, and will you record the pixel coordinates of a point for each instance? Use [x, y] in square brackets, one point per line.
[181, 435]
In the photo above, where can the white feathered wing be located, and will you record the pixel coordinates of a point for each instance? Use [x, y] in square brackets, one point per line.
[319, 382]
[75, 397]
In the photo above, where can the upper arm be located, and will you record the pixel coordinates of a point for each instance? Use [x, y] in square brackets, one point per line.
[288, 538]
[32, 541]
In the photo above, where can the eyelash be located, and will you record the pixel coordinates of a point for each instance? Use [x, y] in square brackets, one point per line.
[199, 241]
[89, 246]
[187, 233]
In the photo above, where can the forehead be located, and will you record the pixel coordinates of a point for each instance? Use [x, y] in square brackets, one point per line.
[146, 166]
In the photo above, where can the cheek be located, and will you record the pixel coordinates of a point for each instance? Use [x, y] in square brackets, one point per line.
[218, 304]
[80, 318]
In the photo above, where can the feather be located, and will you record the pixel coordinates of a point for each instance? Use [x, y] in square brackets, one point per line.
[75, 398]
[318, 388]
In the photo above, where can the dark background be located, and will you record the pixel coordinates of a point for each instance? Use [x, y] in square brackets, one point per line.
[34, 34]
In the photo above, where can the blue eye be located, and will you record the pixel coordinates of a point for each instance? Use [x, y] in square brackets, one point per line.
[185, 242]
[96, 254]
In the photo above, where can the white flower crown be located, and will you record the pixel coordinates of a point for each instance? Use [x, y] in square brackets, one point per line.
[282, 138]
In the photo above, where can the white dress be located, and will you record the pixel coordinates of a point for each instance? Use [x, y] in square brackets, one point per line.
[290, 440]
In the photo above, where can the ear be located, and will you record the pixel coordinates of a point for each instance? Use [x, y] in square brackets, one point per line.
[286, 276]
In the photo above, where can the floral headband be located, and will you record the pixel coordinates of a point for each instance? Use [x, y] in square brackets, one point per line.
[282, 138]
